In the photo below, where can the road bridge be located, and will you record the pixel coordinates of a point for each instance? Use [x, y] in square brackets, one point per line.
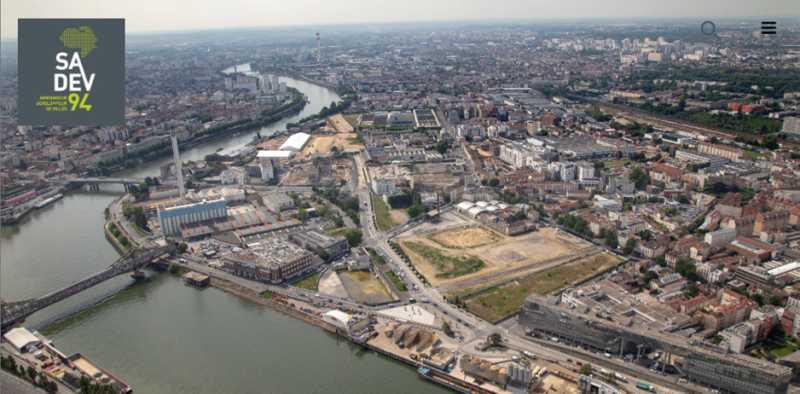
[135, 259]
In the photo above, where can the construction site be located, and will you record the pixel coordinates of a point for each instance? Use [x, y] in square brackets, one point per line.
[440, 250]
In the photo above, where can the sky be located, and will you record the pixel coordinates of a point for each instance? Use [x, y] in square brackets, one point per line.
[171, 15]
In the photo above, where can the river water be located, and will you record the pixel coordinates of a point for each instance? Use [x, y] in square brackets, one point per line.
[162, 336]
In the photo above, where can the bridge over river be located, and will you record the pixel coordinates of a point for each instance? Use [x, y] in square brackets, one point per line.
[133, 260]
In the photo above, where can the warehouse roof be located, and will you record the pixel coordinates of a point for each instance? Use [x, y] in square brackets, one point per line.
[21, 338]
[296, 142]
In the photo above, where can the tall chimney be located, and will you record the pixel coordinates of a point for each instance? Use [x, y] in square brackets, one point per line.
[178, 169]
[319, 50]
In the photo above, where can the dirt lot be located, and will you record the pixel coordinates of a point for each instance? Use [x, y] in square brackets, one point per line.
[468, 238]
[342, 126]
[499, 302]
[272, 144]
[322, 144]
[398, 216]
[501, 255]
[351, 119]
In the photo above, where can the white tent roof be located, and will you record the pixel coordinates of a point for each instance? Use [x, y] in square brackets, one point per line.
[296, 142]
[21, 338]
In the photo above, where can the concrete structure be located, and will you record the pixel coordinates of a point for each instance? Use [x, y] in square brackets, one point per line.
[174, 215]
[699, 157]
[361, 259]
[588, 384]
[720, 237]
[272, 260]
[383, 187]
[178, 171]
[277, 201]
[316, 241]
[729, 153]
[611, 329]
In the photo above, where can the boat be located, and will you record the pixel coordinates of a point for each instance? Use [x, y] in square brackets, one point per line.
[48, 201]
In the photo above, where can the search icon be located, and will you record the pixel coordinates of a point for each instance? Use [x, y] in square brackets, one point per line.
[713, 29]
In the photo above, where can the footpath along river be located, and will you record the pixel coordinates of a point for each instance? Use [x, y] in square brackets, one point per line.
[163, 336]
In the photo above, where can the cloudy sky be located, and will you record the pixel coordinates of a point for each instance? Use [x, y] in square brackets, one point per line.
[166, 15]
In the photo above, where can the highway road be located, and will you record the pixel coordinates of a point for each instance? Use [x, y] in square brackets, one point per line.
[14, 385]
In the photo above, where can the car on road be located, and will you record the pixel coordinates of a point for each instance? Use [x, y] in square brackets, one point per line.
[458, 320]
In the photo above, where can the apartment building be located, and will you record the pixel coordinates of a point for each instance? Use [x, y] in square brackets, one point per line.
[732, 154]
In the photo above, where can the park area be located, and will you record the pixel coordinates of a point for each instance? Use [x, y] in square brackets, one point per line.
[498, 302]
[458, 254]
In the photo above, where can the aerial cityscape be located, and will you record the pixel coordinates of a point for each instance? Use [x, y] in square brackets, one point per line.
[472, 206]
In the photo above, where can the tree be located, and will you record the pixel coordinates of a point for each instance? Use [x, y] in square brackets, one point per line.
[351, 202]
[414, 211]
[441, 147]
[770, 142]
[484, 182]
[354, 236]
[495, 339]
[586, 369]
[691, 290]
[173, 268]
[31, 373]
[189, 185]
[661, 261]
[686, 268]
[629, 246]
[139, 218]
[129, 163]
[639, 177]
[324, 255]
[775, 300]
[520, 215]
[303, 214]
[494, 182]
[649, 275]
[611, 242]
[123, 240]
[447, 329]
[681, 105]
[602, 233]
[683, 199]
[182, 247]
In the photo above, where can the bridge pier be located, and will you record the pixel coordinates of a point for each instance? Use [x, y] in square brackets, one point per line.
[138, 274]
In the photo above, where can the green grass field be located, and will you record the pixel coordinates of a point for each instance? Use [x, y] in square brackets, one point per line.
[610, 164]
[309, 283]
[398, 284]
[378, 259]
[748, 154]
[382, 214]
[498, 302]
[448, 267]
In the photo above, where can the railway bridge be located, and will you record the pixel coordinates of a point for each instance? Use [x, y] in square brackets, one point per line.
[135, 259]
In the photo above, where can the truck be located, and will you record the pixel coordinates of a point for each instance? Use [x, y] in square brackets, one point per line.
[621, 378]
[530, 355]
[646, 387]
[542, 372]
[423, 300]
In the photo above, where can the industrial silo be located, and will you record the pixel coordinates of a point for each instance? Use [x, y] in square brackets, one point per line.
[503, 376]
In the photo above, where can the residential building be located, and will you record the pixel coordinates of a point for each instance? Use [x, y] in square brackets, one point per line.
[720, 237]
[732, 154]
[383, 187]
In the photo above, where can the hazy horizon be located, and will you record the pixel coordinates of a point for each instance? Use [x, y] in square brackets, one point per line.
[153, 17]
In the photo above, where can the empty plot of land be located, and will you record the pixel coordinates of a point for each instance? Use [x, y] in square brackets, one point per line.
[411, 312]
[468, 238]
[503, 257]
[332, 285]
[322, 144]
[498, 302]
[342, 126]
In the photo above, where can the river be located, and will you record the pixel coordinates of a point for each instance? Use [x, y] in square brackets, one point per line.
[318, 97]
[162, 336]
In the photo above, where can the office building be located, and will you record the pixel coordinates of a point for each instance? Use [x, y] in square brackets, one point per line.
[732, 154]
[317, 241]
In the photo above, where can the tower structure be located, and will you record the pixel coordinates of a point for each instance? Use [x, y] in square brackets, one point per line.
[178, 169]
[319, 50]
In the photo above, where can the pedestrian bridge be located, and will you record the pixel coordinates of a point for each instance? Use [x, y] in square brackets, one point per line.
[135, 259]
